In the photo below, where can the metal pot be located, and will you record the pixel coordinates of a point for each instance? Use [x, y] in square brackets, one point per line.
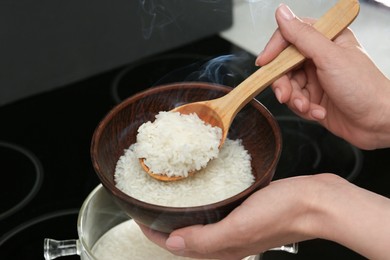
[98, 215]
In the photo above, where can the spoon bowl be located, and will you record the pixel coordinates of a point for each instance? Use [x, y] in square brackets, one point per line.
[220, 112]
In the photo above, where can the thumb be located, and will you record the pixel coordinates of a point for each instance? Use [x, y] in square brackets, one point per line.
[303, 36]
[213, 238]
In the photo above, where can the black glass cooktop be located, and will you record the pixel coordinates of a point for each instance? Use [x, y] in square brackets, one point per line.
[46, 171]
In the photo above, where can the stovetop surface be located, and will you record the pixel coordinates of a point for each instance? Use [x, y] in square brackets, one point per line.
[45, 162]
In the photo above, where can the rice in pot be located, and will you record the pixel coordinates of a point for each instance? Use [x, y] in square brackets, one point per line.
[127, 242]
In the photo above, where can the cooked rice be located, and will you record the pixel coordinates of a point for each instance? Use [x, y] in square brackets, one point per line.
[175, 144]
[224, 177]
[127, 242]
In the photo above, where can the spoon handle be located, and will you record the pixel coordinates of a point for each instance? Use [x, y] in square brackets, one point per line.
[330, 25]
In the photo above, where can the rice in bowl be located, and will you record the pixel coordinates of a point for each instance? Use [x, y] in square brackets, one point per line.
[225, 176]
[176, 144]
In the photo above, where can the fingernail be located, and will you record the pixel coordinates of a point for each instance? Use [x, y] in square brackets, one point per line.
[175, 243]
[286, 12]
[298, 104]
[318, 114]
[278, 94]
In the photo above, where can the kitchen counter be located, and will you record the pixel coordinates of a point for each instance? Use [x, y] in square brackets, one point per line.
[254, 24]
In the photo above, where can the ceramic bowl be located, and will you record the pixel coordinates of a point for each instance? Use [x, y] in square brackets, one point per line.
[254, 124]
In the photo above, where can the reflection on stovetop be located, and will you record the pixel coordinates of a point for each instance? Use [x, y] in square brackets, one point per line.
[45, 140]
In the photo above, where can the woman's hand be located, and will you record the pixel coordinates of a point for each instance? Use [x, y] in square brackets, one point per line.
[272, 217]
[286, 211]
[338, 86]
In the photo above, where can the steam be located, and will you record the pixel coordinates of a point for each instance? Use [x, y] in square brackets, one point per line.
[155, 14]
[225, 70]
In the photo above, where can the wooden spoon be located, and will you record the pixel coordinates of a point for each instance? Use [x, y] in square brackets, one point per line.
[221, 111]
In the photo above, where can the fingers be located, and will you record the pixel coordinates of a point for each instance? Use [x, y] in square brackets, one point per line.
[214, 241]
[186, 242]
[302, 35]
[275, 45]
[293, 30]
[215, 238]
[158, 238]
[300, 93]
[282, 89]
[290, 89]
[299, 89]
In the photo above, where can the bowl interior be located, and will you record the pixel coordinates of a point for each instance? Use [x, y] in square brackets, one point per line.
[254, 124]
